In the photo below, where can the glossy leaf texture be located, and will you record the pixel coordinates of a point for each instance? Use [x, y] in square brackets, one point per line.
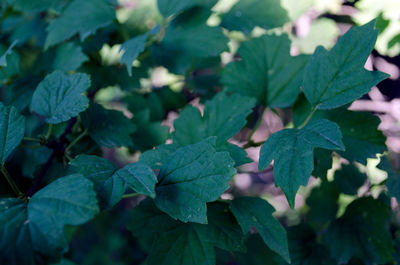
[266, 71]
[60, 97]
[292, 152]
[34, 231]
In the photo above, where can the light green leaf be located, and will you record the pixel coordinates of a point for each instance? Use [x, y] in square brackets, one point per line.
[171, 7]
[362, 232]
[59, 97]
[3, 58]
[255, 212]
[12, 129]
[108, 127]
[337, 77]
[191, 177]
[292, 151]
[83, 17]
[33, 230]
[247, 14]
[175, 243]
[69, 56]
[266, 71]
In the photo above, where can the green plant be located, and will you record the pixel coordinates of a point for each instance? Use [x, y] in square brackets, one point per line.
[73, 120]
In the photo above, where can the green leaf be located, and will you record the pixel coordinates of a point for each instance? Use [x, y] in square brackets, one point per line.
[133, 47]
[349, 179]
[191, 177]
[362, 232]
[83, 17]
[59, 97]
[12, 129]
[247, 14]
[323, 204]
[334, 78]
[110, 183]
[155, 158]
[393, 179]
[38, 5]
[69, 56]
[108, 127]
[175, 243]
[252, 211]
[3, 58]
[292, 150]
[171, 7]
[266, 71]
[34, 229]
[223, 117]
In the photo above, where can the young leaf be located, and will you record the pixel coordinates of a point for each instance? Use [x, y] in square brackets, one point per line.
[59, 96]
[362, 232]
[252, 211]
[172, 242]
[292, 150]
[171, 7]
[69, 56]
[247, 14]
[34, 229]
[337, 77]
[191, 177]
[83, 17]
[266, 71]
[12, 129]
[108, 127]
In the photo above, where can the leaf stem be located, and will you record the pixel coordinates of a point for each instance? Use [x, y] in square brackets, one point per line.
[10, 181]
[77, 139]
[49, 130]
[130, 195]
[308, 118]
[31, 139]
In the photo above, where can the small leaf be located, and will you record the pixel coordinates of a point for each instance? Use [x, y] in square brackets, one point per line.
[266, 71]
[83, 17]
[292, 150]
[252, 211]
[59, 97]
[334, 78]
[12, 129]
[69, 56]
[3, 58]
[191, 177]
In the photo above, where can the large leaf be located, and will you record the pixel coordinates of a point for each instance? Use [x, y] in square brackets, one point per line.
[247, 14]
[110, 183]
[34, 229]
[171, 7]
[12, 129]
[266, 71]
[59, 96]
[175, 243]
[255, 212]
[69, 56]
[292, 151]
[108, 127]
[362, 232]
[191, 177]
[337, 77]
[83, 17]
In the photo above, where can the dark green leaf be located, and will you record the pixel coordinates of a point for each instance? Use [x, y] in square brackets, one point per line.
[323, 204]
[334, 78]
[12, 128]
[349, 179]
[191, 177]
[292, 150]
[155, 158]
[69, 56]
[59, 96]
[171, 7]
[266, 71]
[252, 211]
[393, 179]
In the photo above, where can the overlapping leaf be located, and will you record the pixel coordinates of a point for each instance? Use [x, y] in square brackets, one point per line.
[60, 97]
[292, 151]
[266, 71]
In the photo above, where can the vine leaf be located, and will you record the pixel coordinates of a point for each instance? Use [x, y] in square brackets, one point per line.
[253, 211]
[172, 242]
[292, 151]
[83, 17]
[266, 71]
[337, 77]
[59, 97]
[111, 183]
[40, 223]
[12, 129]
[191, 177]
